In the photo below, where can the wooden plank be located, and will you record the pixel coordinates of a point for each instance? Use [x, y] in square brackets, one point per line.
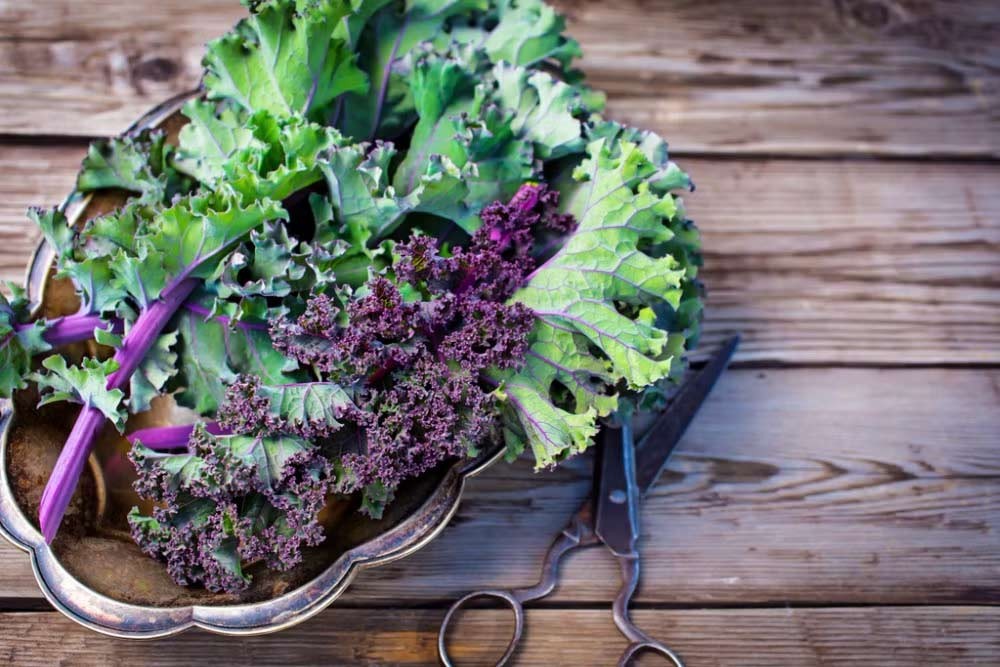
[794, 485]
[902, 636]
[851, 262]
[93, 68]
[815, 261]
[34, 176]
[832, 77]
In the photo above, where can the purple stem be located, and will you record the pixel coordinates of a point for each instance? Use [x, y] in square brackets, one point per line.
[62, 482]
[163, 438]
[386, 73]
[73, 328]
[147, 327]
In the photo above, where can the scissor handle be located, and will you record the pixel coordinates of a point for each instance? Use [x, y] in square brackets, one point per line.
[638, 640]
[652, 646]
[577, 533]
[513, 601]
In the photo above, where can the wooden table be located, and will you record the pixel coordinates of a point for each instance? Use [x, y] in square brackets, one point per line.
[838, 501]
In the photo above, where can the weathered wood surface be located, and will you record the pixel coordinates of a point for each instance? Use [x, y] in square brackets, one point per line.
[33, 176]
[898, 77]
[803, 486]
[817, 262]
[887, 637]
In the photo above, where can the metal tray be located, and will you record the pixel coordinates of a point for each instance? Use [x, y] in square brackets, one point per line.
[86, 573]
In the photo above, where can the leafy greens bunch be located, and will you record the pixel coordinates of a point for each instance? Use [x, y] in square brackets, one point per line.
[389, 235]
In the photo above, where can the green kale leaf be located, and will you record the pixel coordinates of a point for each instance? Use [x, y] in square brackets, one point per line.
[596, 299]
[85, 384]
[286, 58]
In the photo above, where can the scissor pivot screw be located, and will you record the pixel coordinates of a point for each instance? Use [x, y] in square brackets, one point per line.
[618, 497]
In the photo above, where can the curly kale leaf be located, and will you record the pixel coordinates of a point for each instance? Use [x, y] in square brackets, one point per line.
[215, 348]
[385, 110]
[213, 134]
[495, 125]
[85, 384]
[123, 261]
[139, 164]
[287, 58]
[524, 33]
[415, 346]
[543, 111]
[529, 32]
[230, 501]
[306, 409]
[360, 198]
[18, 342]
[55, 228]
[106, 234]
[157, 367]
[195, 235]
[269, 265]
[363, 209]
[597, 300]
[273, 158]
[154, 371]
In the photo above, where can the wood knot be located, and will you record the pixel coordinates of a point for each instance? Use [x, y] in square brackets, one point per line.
[870, 14]
[873, 15]
[156, 69]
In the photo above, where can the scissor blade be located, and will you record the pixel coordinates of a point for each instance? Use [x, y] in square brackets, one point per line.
[617, 495]
[655, 448]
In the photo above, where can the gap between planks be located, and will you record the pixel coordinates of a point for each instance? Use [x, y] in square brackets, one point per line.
[41, 605]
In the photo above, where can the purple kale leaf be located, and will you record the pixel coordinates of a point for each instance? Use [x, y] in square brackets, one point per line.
[307, 409]
[228, 502]
[415, 345]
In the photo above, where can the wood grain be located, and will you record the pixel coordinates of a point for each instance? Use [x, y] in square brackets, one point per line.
[802, 485]
[851, 262]
[890, 77]
[888, 637]
[34, 176]
[796, 485]
[816, 262]
[896, 77]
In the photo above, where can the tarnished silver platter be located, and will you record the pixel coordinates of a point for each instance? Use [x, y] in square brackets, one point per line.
[94, 574]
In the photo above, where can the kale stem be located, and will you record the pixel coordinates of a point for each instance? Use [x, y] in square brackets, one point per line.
[73, 328]
[163, 438]
[136, 343]
[62, 483]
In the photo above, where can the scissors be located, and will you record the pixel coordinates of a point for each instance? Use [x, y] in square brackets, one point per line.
[610, 516]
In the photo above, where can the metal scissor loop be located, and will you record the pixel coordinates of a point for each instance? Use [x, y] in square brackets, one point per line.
[513, 600]
[576, 534]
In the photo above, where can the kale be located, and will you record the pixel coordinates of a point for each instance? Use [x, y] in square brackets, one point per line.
[388, 236]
